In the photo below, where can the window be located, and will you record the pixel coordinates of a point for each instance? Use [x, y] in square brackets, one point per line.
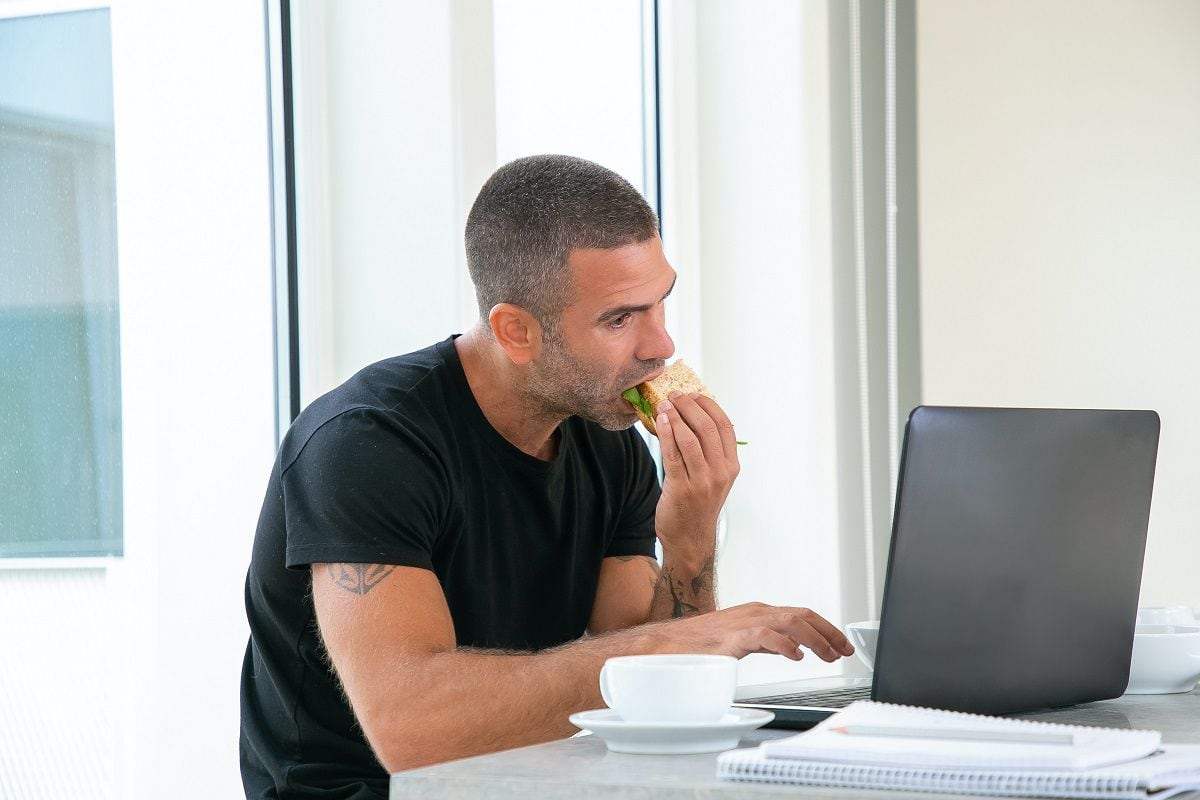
[60, 397]
[401, 112]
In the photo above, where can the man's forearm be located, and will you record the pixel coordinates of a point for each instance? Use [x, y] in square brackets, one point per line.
[477, 701]
[684, 588]
[468, 701]
[438, 706]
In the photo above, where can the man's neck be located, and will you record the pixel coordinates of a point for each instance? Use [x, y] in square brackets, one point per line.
[495, 381]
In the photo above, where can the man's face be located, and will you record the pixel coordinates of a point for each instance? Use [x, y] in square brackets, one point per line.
[611, 338]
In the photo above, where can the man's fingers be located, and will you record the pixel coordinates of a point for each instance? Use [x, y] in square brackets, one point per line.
[724, 427]
[761, 628]
[801, 624]
[672, 459]
[814, 632]
[702, 424]
[831, 633]
[683, 444]
[765, 640]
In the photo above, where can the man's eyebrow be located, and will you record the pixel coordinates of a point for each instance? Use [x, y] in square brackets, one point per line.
[613, 313]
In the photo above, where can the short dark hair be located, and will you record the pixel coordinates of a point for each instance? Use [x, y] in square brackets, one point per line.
[528, 218]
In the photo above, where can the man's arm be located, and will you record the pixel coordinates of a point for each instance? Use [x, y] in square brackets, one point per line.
[700, 462]
[624, 593]
[684, 589]
[634, 590]
[421, 699]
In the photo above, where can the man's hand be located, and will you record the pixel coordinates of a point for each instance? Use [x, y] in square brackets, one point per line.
[752, 628]
[700, 463]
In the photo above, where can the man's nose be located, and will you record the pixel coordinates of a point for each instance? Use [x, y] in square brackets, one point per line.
[658, 345]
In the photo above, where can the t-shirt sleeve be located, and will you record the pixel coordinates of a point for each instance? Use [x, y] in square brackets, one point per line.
[634, 535]
[365, 488]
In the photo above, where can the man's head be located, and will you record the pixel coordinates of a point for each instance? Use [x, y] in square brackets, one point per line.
[571, 278]
[528, 218]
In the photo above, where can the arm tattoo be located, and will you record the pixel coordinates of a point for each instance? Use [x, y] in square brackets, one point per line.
[679, 608]
[685, 596]
[359, 578]
[703, 580]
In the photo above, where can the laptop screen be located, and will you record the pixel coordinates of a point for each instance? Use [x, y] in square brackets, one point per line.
[1016, 557]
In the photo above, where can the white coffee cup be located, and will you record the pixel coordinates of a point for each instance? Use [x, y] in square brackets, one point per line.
[1166, 615]
[1166, 659]
[669, 688]
[864, 636]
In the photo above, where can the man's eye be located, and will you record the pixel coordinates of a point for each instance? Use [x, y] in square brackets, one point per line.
[621, 321]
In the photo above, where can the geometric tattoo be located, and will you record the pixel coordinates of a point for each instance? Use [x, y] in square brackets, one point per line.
[359, 578]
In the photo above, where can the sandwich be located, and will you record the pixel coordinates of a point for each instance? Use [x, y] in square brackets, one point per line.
[645, 397]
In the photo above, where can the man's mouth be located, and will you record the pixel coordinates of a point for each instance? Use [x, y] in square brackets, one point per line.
[629, 404]
[651, 376]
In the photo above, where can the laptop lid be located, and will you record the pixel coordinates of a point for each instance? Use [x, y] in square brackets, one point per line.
[1014, 569]
[1016, 557]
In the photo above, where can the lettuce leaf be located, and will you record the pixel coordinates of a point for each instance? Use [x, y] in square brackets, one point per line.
[635, 397]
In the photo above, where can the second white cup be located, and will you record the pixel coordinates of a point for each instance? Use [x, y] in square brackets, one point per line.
[1166, 615]
[669, 688]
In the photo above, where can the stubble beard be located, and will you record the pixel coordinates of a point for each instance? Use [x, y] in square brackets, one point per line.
[564, 385]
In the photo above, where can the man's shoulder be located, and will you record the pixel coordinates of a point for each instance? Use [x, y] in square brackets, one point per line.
[415, 387]
[387, 383]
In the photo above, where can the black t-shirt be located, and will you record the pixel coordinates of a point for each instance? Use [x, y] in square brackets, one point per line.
[399, 465]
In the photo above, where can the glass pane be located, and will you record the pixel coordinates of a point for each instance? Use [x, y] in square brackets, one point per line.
[60, 400]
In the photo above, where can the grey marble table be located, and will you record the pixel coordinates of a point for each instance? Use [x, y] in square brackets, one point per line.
[581, 768]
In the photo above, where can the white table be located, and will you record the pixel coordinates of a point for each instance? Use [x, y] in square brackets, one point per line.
[582, 768]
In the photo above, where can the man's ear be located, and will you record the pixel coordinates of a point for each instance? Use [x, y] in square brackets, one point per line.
[517, 331]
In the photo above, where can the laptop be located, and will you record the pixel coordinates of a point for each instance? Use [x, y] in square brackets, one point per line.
[1014, 569]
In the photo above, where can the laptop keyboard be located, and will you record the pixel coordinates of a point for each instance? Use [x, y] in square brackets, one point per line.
[823, 698]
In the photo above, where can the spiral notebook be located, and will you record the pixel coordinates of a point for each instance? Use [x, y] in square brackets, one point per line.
[881, 746]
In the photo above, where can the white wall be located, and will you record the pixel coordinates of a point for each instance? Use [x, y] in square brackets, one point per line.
[60, 681]
[195, 270]
[559, 92]
[393, 195]
[1059, 157]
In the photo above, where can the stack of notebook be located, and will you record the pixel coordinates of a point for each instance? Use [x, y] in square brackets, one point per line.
[880, 746]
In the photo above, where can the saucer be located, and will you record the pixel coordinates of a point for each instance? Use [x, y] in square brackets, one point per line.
[671, 738]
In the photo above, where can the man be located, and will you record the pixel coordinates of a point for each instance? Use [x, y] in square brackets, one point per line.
[455, 540]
